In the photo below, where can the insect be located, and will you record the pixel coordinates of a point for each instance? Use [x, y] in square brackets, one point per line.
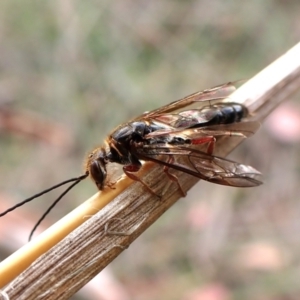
[174, 130]
[168, 136]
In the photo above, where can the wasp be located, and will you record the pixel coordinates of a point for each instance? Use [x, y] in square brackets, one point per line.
[175, 130]
[174, 136]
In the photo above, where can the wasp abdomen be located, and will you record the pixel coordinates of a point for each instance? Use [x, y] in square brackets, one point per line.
[223, 113]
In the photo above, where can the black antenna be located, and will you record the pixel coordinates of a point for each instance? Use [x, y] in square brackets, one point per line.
[75, 180]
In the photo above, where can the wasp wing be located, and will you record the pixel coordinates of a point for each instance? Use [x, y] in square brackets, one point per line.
[216, 93]
[240, 129]
[199, 164]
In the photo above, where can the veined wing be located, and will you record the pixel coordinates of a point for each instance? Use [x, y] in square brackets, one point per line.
[240, 129]
[215, 93]
[199, 164]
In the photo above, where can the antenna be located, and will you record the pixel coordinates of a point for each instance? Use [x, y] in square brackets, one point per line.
[75, 181]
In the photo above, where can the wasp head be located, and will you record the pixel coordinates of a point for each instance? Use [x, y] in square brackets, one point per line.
[96, 166]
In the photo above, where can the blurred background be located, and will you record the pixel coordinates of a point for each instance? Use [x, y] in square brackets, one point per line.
[70, 71]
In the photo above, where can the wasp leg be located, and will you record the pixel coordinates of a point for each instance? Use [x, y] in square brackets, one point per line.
[130, 169]
[173, 177]
[211, 140]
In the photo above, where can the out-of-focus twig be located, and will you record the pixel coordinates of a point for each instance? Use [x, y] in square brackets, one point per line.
[64, 269]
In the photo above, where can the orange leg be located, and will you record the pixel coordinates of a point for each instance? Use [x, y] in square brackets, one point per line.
[130, 169]
[173, 177]
[211, 140]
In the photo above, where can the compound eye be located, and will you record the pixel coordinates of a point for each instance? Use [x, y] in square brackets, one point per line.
[98, 173]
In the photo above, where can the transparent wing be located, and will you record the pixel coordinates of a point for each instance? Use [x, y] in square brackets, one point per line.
[199, 164]
[241, 129]
[205, 96]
